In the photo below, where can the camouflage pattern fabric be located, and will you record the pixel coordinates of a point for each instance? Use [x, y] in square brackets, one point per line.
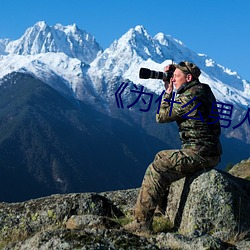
[201, 146]
[200, 129]
[168, 166]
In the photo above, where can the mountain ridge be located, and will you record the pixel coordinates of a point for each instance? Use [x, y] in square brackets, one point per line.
[55, 144]
[47, 135]
[97, 82]
[42, 38]
[135, 49]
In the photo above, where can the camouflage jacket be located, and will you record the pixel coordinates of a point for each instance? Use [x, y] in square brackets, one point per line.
[193, 115]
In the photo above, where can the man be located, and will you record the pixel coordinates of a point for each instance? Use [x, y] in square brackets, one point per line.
[199, 133]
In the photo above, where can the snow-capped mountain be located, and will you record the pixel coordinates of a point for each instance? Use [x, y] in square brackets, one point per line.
[57, 55]
[41, 38]
[137, 49]
[72, 62]
[55, 138]
[74, 56]
[64, 73]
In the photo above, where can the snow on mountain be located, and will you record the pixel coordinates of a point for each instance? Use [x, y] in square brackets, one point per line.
[42, 38]
[57, 55]
[73, 56]
[3, 43]
[137, 49]
[125, 55]
[63, 73]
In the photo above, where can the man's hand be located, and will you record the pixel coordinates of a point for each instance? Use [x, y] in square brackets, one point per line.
[168, 85]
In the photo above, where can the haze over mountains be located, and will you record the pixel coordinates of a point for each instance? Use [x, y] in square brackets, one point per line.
[60, 127]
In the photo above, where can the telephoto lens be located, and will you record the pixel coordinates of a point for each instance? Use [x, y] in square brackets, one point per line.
[145, 73]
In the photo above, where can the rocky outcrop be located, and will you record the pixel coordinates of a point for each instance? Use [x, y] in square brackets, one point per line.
[209, 210]
[241, 169]
[210, 202]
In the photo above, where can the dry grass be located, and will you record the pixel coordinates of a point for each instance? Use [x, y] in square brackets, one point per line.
[160, 223]
[238, 237]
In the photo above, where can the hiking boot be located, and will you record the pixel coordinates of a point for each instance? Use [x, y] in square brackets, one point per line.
[140, 227]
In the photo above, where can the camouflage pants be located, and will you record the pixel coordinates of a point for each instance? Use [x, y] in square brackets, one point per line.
[167, 167]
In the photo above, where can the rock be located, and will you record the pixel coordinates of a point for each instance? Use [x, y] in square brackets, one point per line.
[20, 220]
[178, 241]
[212, 202]
[90, 221]
[124, 199]
[243, 245]
[241, 169]
[209, 210]
[63, 239]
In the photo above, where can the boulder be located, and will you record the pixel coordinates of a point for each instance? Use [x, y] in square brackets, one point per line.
[19, 221]
[210, 202]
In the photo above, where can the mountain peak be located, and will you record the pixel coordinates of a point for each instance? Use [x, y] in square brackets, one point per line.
[134, 46]
[69, 28]
[140, 29]
[166, 39]
[41, 24]
[42, 38]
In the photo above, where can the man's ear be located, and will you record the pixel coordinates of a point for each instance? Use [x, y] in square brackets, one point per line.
[189, 77]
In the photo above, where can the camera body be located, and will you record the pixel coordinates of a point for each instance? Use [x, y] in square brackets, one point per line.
[146, 73]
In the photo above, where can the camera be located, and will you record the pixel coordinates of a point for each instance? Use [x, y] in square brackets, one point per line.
[145, 73]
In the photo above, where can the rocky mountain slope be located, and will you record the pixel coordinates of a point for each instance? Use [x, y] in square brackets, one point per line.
[51, 143]
[207, 211]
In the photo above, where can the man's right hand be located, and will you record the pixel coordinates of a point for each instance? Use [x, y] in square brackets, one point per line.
[168, 85]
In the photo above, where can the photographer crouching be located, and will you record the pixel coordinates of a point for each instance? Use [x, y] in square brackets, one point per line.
[199, 134]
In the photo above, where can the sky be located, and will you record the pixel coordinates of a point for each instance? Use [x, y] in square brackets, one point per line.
[217, 28]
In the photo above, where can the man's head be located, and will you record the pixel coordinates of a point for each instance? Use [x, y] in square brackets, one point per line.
[185, 72]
